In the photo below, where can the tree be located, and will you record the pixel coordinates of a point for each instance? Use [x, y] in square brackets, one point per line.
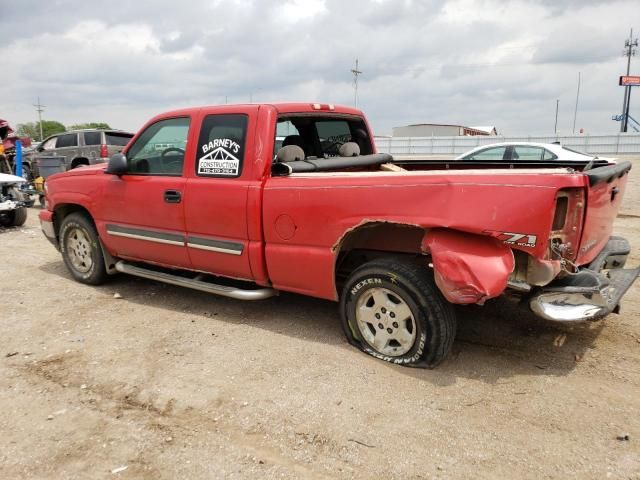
[32, 129]
[82, 126]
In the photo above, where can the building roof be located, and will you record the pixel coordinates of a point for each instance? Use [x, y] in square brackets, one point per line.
[490, 129]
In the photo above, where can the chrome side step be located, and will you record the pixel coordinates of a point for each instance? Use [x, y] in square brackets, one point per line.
[222, 290]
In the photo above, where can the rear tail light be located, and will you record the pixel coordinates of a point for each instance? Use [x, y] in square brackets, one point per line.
[567, 223]
[104, 151]
[560, 217]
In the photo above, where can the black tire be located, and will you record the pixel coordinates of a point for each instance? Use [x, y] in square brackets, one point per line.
[17, 217]
[81, 250]
[410, 285]
[14, 218]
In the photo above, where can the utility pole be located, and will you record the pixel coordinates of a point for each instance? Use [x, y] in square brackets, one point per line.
[629, 51]
[40, 109]
[355, 72]
[575, 113]
[555, 128]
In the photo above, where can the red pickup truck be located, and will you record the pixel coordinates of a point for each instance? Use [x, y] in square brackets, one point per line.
[248, 200]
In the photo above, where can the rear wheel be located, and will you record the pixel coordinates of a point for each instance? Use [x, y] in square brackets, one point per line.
[393, 310]
[81, 250]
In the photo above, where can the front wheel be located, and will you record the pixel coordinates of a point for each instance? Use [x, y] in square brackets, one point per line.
[81, 250]
[392, 310]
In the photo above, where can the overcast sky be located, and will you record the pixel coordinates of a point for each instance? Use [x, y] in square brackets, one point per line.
[468, 62]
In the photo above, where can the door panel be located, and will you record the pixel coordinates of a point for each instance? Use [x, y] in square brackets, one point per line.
[139, 223]
[143, 210]
[216, 196]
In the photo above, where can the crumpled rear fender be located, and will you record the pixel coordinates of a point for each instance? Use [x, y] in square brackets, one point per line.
[468, 268]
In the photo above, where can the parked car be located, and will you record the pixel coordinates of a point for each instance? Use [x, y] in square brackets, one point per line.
[525, 151]
[83, 147]
[397, 244]
[13, 202]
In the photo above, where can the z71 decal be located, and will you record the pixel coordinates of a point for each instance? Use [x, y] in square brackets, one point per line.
[512, 238]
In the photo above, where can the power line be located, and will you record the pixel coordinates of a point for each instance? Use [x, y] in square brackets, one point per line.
[40, 109]
[629, 51]
[355, 72]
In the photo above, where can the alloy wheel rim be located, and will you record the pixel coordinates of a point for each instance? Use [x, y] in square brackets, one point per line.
[386, 322]
[79, 250]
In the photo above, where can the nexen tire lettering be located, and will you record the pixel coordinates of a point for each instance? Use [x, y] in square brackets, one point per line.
[364, 283]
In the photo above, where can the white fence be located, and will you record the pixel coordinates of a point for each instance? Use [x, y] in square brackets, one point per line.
[624, 143]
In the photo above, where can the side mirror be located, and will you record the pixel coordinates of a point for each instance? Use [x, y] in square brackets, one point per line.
[117, 164]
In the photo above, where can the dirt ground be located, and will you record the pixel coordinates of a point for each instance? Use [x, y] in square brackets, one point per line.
[170, 383]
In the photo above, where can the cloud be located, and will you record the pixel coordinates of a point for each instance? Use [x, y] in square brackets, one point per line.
[456, 61]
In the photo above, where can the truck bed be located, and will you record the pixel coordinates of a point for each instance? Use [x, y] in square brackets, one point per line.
[448, 164]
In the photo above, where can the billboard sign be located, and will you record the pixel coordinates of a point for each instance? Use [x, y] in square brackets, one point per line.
[630, 80]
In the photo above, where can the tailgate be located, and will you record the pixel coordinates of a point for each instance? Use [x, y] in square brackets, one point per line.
[604, 197]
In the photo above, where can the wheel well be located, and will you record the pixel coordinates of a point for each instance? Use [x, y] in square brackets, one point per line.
[65, 210]
[76, 162]
[375, 240]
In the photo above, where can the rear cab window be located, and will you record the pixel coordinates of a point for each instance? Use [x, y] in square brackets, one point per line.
[320, 136]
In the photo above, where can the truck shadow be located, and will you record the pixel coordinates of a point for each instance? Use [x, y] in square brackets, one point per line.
[495, 342]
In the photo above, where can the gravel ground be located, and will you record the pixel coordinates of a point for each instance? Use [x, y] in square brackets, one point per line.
[170, 383]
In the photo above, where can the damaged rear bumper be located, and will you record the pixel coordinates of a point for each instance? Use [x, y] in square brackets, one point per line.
[593, 292]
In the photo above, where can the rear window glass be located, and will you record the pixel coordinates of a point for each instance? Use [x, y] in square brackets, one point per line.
[118, 139]
[92, 138]
[69, 140]
[332, 134]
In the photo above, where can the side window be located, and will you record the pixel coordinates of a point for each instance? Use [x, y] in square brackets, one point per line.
[496, 153]
[68, 140]
[159, 150]
[521, 152]
[549, 155]
[221, 146]
[92, 138]
[49, 144]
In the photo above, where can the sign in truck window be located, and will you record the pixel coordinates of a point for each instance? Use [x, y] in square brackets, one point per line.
[221, 146]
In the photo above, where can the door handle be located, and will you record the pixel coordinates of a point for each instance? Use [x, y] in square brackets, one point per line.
[172, 196]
